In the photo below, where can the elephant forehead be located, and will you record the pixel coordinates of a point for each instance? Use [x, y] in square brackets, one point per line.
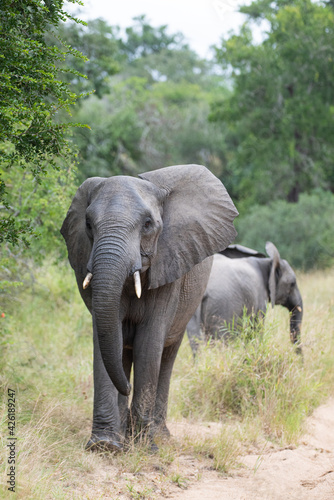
[124, 183]
[121, 189]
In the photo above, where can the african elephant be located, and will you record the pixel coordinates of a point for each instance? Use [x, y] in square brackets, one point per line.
[141, 251]
[243, 278]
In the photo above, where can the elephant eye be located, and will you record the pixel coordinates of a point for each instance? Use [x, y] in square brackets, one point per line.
[88, 224]
[147, 223]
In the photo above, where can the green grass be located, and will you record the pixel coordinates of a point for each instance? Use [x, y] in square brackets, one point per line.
[256, 388]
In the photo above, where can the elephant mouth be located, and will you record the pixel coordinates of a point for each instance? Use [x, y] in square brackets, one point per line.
[145, 262]
[135, 277]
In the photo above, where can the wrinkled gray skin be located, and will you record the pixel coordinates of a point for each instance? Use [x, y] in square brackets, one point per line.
[163, 226]
[237, 281]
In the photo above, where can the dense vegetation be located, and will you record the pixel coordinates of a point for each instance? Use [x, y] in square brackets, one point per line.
[262, 123]
[32, 93]
[36, 163]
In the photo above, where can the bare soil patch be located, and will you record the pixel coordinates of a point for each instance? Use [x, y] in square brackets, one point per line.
[302, 472]
[264, 472]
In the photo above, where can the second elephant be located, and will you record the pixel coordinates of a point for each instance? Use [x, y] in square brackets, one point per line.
[239, 281]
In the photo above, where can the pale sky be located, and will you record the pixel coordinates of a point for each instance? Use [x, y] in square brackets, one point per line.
[202, 22]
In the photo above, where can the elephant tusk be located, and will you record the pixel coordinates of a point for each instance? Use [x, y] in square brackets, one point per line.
[299, 309]
[136, 278]
[87, 281]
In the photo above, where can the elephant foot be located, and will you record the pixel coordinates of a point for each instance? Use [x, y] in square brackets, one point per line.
[154, 447]
[161, 430]
[103, 442]
[299, 351]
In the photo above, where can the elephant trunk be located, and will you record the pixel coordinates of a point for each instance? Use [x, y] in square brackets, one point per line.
[295, 306]
[110, 270]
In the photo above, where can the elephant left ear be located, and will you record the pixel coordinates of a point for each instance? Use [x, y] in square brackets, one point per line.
[198, 216]
[276, 258]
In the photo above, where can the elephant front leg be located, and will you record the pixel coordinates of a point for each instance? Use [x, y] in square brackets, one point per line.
[146, 362]
[106, 428]
[148, 347]
[141, 419]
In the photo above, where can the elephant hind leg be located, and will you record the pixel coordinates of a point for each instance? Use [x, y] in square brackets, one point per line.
[123, 401]
[161, 402]
[194, 331]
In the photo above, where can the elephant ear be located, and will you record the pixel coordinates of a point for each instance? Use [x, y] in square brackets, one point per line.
[74, 227]
[275, 266]
[239, 252]
[197, 217]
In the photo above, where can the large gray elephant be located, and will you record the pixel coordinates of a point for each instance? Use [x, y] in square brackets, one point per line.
[140, 249]
[243, 278]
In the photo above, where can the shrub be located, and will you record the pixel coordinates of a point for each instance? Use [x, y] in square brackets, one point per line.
[302, 232]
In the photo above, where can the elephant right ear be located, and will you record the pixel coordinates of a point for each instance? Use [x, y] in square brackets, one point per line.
[275, 256]
[73, 229]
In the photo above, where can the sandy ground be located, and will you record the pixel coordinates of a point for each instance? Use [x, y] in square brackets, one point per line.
[304, 472]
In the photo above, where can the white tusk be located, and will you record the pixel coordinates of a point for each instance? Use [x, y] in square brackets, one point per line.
[87, 281]
[299, 309]
[136, 278]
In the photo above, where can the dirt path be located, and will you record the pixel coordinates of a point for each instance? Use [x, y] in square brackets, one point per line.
[305, 472]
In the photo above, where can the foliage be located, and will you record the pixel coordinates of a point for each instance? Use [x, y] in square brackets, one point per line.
[142, 39]
[302, 232]
[140, 126]
[100, 45]
[154, 111]
[143, 51]
[173, 65]
[111, 146]
[31, 96]
[44, 205]
[280, 113]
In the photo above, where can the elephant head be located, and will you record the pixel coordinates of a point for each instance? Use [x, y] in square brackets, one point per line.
[283, 290]
[157, 227]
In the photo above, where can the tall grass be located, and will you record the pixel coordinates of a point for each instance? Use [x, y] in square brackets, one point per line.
[256, 387]
[258, 375]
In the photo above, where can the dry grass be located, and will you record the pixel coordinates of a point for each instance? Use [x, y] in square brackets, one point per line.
[256, 389]
[258, 377]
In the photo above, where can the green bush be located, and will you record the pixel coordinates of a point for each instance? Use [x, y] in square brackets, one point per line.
[303, 231]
